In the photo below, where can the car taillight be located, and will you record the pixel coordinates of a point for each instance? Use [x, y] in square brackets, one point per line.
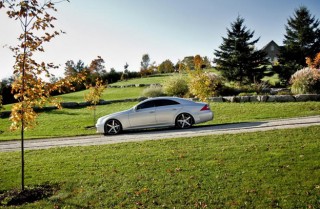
[206, 107]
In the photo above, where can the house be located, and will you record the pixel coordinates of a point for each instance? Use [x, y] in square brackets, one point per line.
[272, 51]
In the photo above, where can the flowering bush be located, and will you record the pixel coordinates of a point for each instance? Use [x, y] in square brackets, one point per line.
[176, 86]
[306, 80]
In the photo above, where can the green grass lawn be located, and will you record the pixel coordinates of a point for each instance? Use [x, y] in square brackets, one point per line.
[7, 107]
[73, 122]
[273, 169]
[108, 94]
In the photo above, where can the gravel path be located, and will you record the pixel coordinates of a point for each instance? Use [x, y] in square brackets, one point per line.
[161, 134]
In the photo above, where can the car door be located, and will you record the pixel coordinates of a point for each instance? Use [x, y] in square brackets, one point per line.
[166, 110]
[143, 115]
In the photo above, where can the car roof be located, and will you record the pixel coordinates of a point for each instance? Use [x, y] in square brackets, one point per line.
[178, 99]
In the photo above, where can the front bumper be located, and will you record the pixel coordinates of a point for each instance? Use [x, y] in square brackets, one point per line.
[100, 128]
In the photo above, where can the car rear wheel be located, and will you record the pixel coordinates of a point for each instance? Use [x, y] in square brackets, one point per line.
[112, 127]
[184, 120]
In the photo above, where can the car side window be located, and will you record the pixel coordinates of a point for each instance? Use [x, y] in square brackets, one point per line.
[145, 105]
[165, 102]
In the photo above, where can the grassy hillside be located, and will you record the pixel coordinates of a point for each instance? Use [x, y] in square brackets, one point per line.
[274, 169]
[108, 94]
[119, 93]
[158, 78]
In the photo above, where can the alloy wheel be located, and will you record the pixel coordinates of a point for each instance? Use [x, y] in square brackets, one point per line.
[112, 127]
[184, 120]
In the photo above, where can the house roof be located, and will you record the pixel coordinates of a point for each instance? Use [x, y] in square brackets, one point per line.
[270, 43]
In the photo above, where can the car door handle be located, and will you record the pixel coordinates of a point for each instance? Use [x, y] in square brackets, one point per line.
[174, 109]
[151, 111]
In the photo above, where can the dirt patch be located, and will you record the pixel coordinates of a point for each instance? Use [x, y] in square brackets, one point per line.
[28, 195]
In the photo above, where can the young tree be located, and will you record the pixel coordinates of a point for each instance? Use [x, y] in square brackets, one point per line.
[302, 39]
[94, 95]
[29, 87]
[237, 59]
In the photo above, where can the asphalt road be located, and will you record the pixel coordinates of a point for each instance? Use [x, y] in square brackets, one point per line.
[234, 128]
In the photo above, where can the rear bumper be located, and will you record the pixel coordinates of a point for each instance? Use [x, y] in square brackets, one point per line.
[205, 116]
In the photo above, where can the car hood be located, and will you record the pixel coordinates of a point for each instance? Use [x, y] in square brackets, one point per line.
[114, 115]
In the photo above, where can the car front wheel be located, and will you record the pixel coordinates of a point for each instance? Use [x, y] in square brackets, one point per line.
[184, 120]
[112, 127]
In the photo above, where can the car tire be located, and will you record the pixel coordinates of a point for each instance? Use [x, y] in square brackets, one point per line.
[184, 120]
[112, 127]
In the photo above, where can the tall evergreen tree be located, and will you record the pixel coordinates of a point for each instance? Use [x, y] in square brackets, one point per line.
[237, 59]
[302, 39]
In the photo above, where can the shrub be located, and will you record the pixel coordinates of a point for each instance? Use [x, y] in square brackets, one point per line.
[204, 85]
[153, 91]
[306, 81]
[228, 91]
[176, 86]
[247, 94]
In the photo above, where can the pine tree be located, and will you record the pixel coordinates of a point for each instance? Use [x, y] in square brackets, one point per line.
[302, 39]
[237, 59]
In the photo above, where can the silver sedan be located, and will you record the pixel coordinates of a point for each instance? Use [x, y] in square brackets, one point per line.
[155, 113]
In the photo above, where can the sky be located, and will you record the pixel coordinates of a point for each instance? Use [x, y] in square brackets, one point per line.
[121, 31]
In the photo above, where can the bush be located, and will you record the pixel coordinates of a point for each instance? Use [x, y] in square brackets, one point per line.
[176, 86]
[306, 81]
[228, 91]
[204, 85]
[153, 91]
